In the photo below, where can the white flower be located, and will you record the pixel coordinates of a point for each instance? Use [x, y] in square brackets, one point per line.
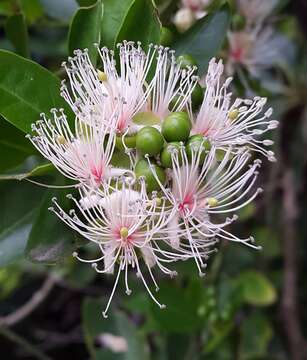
[82, 154]
[126, 225]
[201, 190]
[226, 123]
[126, 89]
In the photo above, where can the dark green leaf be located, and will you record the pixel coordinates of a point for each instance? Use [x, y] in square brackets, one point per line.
[141, 23]
[17, 32]
[32, 10]
[50, 239]
[14, 147]
[205, 38]
[18, 210]
[84, 30]
[256, 335]
[26, 90]
[84, 3]
[182, 308]
[115, 12]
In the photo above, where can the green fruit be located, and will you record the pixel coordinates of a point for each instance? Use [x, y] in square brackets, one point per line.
[166, 154]
[197, 143]
[197, 96]
[185, 60]
[129, 141]
[149, 141]
[166, 36]
[238, 22]
[142, 168]
[176, 126]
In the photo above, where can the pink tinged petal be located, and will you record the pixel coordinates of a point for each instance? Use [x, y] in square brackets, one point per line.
[148, 256]
[173, 227]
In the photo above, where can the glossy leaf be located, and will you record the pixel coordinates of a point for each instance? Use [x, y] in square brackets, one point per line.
[141, 23]
[182, 308]
[84, 30]
[50, 239]
[115, 13]
[14, 147]
[205, 38]
[18, 210]
[84, 3]
[26, 90]
[17, 32]
[257, 289]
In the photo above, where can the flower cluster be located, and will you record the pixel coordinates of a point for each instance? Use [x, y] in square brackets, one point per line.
[158, 177]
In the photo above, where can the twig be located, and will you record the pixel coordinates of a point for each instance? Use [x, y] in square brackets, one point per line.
[9, 334]
[289, 304]
[31, 305]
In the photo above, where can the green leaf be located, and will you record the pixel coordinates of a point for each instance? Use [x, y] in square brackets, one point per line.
[26, 90]
[94, 325]
[205, 38]
[19, 205]
[39, 170]
[50, 240]
[84, 3]
[182, 308]
[256, 335]
[257, 289]
[32, 10]
[14, 147]
[115, 12]
[141, 23]
[85, 28]
[17, 32]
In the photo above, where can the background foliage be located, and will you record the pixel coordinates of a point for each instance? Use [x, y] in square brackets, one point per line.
[250, 304]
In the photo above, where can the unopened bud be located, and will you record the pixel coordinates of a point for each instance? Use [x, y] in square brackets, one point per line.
[184, 19]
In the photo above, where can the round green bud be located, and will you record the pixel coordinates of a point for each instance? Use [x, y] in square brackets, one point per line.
[176, 126]
[185, 60]
[197, 96]
[166, 36]
[195, 144]
[149, 141]
[129, 141]
[238, 22]
[166, 154]
[142, 168]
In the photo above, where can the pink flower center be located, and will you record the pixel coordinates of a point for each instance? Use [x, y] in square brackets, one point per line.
[237, 54]
[122, 123]
[97, 172]
[187, 204]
